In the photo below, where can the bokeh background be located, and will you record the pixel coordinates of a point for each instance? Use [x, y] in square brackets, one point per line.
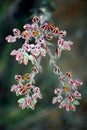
[69, 15]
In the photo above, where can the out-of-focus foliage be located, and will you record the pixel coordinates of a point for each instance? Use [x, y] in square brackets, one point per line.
[69, 15]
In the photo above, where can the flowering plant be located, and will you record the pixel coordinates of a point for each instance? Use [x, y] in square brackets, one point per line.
[42, 34]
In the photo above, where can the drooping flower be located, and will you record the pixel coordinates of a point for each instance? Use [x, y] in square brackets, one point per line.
[26, 88]
[63, 45]
[38, 37]
[67, 95]
[10, 39]
[16, 32]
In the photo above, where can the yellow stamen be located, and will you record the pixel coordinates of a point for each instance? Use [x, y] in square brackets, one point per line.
[36, 33]
[26, 77]
[50, 24]
[26, 87]
[24, 33]
[66, 88]
[56, 28]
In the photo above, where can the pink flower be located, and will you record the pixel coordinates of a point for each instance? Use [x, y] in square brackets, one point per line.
[62, 33]
[48, 27]
[37, 47]
[35, 52]
[13, 52]
[70, 43]
[13, 88]
[27, 34]
[67, 47]
[32, 106]
[34, 97]
[62, 78]
[77, 94]
[27, 26]
[44, 27]
[59, 98]
[62, 104]
[43, 52]
[28, 100]
[27, 47]
[28, 86]
[72, 82]
[19, 56]
[49, 36]
[35, 69]
[40, 95]
[16, 32]
[67, 107]
[63, 45]
[78, 82]
[60, 42]
[71, 97]
[10, 39]
[73, 108]
[57, 91]
[35, 19]
[56, 31]
[56, 69]
[22, 91]
[25, 61]
[54, 100]
[36, 90]
[58, 52]
[41, 40]
[23, 106]
[34, 27]
[18, 77]
[68, 75]
[20, 87]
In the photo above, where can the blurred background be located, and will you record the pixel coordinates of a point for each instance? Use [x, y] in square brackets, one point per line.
[70, 15]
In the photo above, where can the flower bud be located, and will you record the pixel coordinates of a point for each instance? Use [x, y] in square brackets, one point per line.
[35, 19]
[10, 39]
[27, 26]
[54, 100]
[16, 32]
[67, 107]
[78, 82]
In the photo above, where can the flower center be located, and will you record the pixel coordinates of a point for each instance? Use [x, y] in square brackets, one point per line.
[65, 88]
[26, 77]
[36, 33]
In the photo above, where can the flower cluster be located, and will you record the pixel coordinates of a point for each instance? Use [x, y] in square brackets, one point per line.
[41, 35]
[25, 87]
[67, 94]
